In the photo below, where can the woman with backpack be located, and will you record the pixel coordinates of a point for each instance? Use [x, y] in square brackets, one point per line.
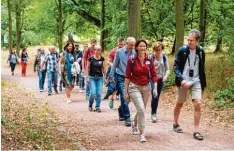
[95, 75]
[24, 61]
[161, 65]
[67, 59]
[140, 70]
[13, 59]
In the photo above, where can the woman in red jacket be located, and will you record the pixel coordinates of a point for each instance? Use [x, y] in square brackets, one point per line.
[140, 70]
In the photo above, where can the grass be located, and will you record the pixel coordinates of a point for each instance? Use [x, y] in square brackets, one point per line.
[29, 123]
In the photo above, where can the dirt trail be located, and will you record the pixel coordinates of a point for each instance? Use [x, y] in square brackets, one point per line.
[104, 131]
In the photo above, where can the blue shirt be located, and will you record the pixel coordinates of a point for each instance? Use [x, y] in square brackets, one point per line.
[120, 61]
[51, 60]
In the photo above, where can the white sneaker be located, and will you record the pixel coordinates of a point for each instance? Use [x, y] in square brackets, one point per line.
[68, 100]
[134, 130]
[142, 138]
[154, 118]
[80, 90]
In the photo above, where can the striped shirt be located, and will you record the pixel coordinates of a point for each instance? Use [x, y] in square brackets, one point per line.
[51, 60]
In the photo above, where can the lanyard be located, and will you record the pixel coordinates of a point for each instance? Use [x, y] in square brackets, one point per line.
[194, 61]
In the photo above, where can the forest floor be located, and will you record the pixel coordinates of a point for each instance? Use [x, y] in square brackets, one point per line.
[103, 131]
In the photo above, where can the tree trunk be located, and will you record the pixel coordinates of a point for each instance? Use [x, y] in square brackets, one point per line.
[179, 24]
[60, 33]
[104, 33]
[134, 19]
[9, 25]
[202, 22]
[18, 25]
[219, 45]
[173, 48]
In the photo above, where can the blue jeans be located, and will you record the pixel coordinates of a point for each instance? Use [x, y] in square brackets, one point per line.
[81, 81]
[95, 90]
[124, 111]
[12, 66]
[154, 101]
[52, 78]
[87, 88]
[41, 76]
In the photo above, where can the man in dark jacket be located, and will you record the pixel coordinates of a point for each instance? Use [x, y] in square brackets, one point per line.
[189, 67]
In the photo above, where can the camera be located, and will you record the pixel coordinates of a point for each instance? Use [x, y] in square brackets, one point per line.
[191, 72]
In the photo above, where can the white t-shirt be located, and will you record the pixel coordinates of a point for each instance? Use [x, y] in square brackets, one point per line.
[192, 63]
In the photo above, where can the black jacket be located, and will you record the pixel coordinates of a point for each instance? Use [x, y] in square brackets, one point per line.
[180, 61]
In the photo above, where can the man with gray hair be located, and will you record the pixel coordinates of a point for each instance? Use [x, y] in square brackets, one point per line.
[52, 69]
[189, 67]
[118, 73]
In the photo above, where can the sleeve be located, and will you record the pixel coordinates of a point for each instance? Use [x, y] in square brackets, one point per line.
[46, 57]
[154, 76]
[167, 67]
[115, 63]
[128, 69]
[176, 66]
[111, 56]
[85, 55]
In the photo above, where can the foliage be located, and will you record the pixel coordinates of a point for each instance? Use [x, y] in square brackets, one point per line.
[225, 97]
[29, 123]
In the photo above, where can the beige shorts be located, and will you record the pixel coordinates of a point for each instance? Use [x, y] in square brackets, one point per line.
[196, 93]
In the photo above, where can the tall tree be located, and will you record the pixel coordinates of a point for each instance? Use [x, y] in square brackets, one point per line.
[104, 33]
[134, 18]
[19, 23]
[179, 24]
[9, 25]
[202, 21]
[60, 25]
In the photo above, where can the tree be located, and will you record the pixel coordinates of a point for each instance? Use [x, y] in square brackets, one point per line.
[134, 18]
[9, 25]
[60, 25]
[104, 32]
[179, 24]
[202, 21]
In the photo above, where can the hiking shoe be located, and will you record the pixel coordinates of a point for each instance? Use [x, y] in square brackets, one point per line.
[111, 103]
[68, 100]
[98, 110]
[49, 94]
[134, 130]
[128, 122]
[121, 119]
[41, 90]
[177, 129]
[142, 138]
[12, 73]
[90, 108]
[154, 118]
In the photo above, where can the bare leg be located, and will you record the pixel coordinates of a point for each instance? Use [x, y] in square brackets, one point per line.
[177, 112]
[197, 114]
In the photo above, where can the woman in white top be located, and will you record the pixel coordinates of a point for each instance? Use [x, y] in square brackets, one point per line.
[162, 69]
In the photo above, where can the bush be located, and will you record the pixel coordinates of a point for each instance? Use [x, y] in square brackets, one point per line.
[225, 98]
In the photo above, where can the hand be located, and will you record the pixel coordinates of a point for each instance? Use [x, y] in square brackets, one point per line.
[184, 84]
[112, 79]
[156, 68]
[164, 79]
[155, 93]
[127, 96]
[41, 69]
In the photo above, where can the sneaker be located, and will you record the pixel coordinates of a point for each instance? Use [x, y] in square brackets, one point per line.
[41, 90]
[154, 118]
[12, 73]
[142, 138]
[60, 89]
[80, 90]
[98, 110]
[90, 108]
[134, 130]
[117, 97]
[87, 97]
[111, 103]
[121, 119]
[128, 122]
[49, 94]
[68, 100]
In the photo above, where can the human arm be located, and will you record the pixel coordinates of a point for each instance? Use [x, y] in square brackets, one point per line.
[88, 70]
[126, 86]
[114, 65]
[104, 71]
[167, 70]
[154, 78]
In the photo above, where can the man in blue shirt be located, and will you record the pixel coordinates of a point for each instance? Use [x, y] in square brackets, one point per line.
[117, 74]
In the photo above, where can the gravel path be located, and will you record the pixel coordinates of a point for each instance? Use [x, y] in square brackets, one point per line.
[104, 131]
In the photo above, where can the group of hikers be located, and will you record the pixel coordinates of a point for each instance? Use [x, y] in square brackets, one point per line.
[132, 73]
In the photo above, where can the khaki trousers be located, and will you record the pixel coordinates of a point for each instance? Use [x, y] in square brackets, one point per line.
[139, 95]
